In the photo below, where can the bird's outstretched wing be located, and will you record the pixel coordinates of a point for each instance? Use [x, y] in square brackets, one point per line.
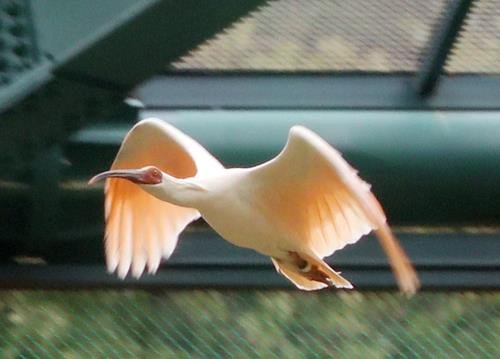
[314, 193]
[140, 229]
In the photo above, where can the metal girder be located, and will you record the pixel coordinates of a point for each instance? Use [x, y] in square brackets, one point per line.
[112, 44]
[145, 43]
[84, 57]
[441, 42]
[317, 91]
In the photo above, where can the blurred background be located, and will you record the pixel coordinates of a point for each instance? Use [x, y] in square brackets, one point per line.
[409, 91]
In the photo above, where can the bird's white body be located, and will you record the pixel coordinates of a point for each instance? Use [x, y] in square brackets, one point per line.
[230, 210]
[297, 208]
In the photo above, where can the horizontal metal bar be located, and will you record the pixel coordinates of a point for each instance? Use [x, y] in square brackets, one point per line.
[205, 248]
[443, 260]
[317, 91]
[431, 250]
[71, 276]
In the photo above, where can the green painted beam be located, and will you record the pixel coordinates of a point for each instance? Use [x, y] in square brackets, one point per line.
[427, 167]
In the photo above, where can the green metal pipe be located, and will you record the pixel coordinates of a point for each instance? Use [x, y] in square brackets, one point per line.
[427, 167]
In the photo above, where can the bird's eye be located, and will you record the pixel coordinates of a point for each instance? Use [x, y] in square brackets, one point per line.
[155, 172]
[152, 176]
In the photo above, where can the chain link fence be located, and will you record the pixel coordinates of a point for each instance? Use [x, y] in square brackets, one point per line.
[248, 323]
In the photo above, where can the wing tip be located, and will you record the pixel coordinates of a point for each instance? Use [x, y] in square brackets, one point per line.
[298, 131]
[122, 273]
[111, 268]
[150, 121]
[304, 132]
[138, 267]
[152, 270]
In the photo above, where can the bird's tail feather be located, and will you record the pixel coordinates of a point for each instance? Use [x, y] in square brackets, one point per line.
[318, 274]
[404, 271]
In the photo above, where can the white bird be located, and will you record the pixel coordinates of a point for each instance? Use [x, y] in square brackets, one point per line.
[297, 208]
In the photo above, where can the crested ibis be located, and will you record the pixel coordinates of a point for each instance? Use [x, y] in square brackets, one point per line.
[297, 208]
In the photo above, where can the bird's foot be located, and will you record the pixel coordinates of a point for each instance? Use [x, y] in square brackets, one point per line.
[309, 270]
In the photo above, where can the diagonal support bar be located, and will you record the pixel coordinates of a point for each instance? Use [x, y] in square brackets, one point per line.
[440, 46]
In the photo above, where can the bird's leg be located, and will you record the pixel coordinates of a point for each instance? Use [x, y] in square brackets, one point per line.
[310, 271]
[303, 265]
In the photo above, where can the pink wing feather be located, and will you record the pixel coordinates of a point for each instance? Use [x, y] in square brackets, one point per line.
[314, 193]
[140, 229]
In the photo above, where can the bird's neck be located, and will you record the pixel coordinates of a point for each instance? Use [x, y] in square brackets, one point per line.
[184, 192]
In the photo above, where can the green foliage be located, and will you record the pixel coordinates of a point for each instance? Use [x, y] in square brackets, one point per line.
[248, 323]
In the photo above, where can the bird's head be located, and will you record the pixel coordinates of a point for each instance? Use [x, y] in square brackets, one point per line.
[149, 175]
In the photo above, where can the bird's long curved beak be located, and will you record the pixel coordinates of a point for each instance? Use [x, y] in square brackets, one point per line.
[131, 175]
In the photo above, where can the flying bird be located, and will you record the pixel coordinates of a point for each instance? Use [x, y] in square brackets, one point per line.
[297, 208]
